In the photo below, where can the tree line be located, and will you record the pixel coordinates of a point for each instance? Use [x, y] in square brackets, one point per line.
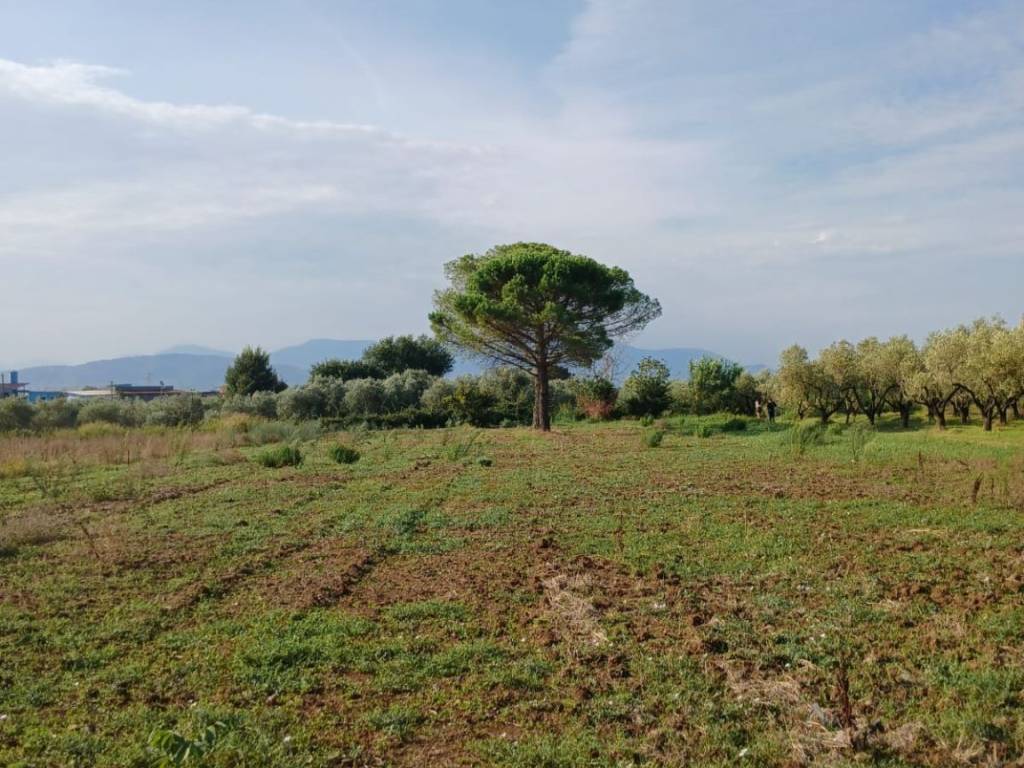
[980, 365]
[547, 318]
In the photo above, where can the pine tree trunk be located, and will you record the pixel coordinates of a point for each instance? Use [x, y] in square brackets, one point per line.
[541, 400]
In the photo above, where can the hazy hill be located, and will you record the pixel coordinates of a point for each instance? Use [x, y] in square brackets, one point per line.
[202, 372]
[195, 349]
[316, 350]
[191, 366]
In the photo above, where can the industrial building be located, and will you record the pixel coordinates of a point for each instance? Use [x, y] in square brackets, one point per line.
[10, 386]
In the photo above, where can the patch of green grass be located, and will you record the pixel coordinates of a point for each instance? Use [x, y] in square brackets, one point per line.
[654, 438]
[583, 601]
[279, 456]
[343, 454]
[397, 722]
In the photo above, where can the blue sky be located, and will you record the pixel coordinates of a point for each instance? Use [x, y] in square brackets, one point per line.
[250, 172]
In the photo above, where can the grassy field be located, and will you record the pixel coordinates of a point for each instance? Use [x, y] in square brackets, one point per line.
[590, 597]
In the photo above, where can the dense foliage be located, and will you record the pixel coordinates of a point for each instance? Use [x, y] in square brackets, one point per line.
[251, 372]
[980, 365]
[534, 307]
[389, 356]
[646, 391]
[976, 368]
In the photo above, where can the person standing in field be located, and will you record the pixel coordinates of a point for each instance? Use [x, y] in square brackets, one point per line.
[771, 411]
[757, 409]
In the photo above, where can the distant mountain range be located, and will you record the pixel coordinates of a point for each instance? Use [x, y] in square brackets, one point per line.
[190, 366]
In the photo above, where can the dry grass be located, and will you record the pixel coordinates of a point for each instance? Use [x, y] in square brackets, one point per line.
[109, 445]
[30, 528]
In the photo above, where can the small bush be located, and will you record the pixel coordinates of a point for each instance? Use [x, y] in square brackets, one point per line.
[859, 435]
[653, 439]
[262, 433]
[595, 397]
[343, 454]
[803, 436]
[279, 456]
[123, 413]
[56, 414]
[409, 521]
[485, 461]
[462, 445]
[646, 391]
[734, 425]
[15, 414]
[96, 429]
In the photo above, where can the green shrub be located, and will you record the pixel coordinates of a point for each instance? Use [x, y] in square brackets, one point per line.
[646, 391]
[470, 403]
[263, 404]
[404, 390]
[263, 433]
[859, 437]
[364, 397]
[60, 413]
[800, 437]
[15, 414]
[177, 411]
[734, 425]
[457, 445]
[123, 413]
[279, 456]
[595, 397]
[653, 439]
[343, 454]
[303, 403]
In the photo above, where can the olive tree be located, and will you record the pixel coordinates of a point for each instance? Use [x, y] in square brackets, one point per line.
[712, 383]
[838, 363]
[875, 378]
[993, 370]
[897, 363]
[809, 386]
[534, 307]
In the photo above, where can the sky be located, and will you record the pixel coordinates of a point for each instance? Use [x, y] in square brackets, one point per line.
[248, 172]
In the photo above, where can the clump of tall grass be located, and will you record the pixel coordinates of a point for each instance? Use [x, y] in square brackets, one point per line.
[800, 437]
[735, 424]
[858, 437]
[654, 438]
[343, 454]
[279, 456]
[266, 432]
[462, 445]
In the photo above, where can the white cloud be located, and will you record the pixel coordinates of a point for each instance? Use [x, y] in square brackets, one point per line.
[734, 157]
